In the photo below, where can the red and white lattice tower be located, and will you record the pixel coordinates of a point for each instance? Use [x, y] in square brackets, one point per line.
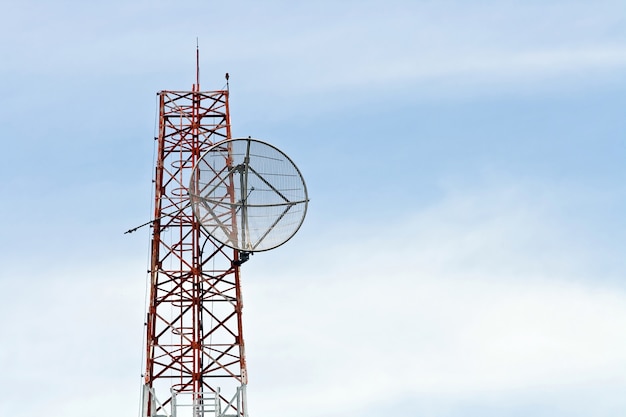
[195, 361]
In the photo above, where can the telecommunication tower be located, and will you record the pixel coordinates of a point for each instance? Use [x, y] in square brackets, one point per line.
[216, 201]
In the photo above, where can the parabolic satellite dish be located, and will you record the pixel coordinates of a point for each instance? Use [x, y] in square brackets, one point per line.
[248, 195]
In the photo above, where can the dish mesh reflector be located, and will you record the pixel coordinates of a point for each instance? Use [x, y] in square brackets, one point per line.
[248, 195]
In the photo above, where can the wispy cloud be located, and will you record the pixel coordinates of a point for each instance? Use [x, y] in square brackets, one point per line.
[308, 49]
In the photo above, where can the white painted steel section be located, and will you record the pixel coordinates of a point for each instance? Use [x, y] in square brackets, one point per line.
[203, 404]
[148, 394]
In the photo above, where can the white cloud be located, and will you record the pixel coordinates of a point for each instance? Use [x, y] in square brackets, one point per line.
[72, 338]
[427, 310]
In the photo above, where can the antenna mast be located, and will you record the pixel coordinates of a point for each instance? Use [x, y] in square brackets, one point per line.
[217, 200]
[195, 361]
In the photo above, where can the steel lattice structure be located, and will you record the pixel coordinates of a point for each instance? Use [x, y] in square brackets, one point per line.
[194, 347]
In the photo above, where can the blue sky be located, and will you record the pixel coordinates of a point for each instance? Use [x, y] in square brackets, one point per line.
[463, 253]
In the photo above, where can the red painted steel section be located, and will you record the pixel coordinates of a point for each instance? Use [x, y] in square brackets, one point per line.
[194, 324]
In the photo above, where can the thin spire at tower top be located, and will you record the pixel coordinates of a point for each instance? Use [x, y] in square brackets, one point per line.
[197, 65]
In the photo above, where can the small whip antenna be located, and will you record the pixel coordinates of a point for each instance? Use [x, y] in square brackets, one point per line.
[197, 65]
